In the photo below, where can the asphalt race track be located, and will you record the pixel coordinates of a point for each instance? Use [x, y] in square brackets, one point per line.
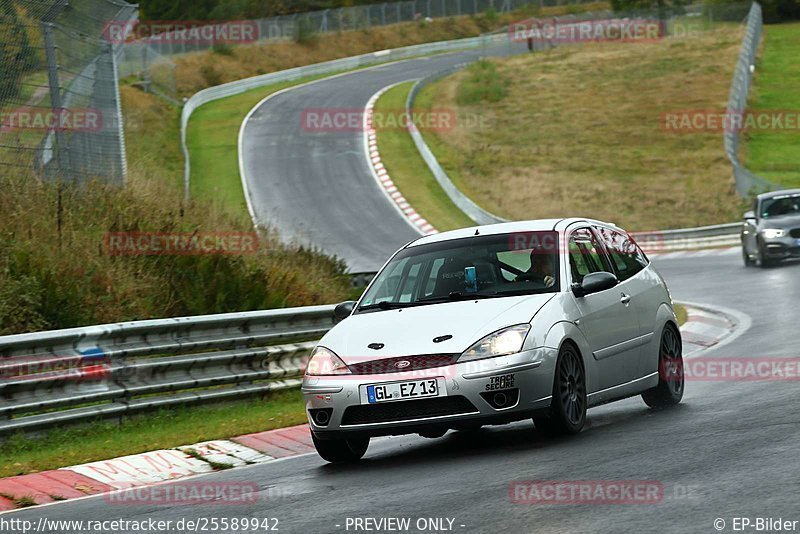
[314, 187]
[729, 450]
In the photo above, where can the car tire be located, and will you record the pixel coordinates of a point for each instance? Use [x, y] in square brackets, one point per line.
[761, 259]
[669, 390]
[748, 261]
[567, 412]
[337, 451]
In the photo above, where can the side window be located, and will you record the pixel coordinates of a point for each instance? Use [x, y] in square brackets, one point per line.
[627, 257]
[585, 255]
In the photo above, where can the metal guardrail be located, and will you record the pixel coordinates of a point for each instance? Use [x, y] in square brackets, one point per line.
[328, 67]
[80, 374]
[746, 182]
[719, 235]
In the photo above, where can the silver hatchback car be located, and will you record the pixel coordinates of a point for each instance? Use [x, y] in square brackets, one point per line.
[494, 324]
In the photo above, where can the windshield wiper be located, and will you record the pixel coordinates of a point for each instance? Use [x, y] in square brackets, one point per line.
[386, 305]
[457, 295]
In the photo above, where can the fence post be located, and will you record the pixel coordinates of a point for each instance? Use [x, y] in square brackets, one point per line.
[323, 26]
[123, 159]
[59, 148]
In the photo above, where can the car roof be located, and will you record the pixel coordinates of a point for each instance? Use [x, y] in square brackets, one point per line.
[780, 193]
[538, 225]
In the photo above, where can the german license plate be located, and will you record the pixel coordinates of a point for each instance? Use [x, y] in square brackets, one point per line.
[398, 391]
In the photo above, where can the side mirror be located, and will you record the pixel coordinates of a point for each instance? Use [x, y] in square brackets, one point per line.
[594, 283]
[343, 310]
[750, 216]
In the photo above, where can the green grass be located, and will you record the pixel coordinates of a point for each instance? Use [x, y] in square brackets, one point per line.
[409, 171]
[483, 83]
[775, 154]
[162, 430]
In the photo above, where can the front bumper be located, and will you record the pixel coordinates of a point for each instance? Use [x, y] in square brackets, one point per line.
[526, 378]
[781, 247]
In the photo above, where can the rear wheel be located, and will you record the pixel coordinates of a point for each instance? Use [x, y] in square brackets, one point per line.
[669, 390]
[341, 450]
[567, 413]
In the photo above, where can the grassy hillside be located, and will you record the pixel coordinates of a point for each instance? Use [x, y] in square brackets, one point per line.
[775, 154]
[578, 131]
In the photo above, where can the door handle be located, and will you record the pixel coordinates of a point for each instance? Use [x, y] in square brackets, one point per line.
[625, 299]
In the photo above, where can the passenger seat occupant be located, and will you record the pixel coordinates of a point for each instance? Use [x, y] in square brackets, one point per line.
[541, 269]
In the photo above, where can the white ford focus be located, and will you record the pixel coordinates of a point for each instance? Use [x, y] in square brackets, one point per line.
[493, 324]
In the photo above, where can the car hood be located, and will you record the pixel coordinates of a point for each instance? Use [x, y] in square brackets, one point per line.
[410, 331]
[786, 221]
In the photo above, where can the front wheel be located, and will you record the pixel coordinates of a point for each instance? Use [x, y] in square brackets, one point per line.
[567, 413]
[338, 451]
[761, 256]
[669, 390]
[748, 261]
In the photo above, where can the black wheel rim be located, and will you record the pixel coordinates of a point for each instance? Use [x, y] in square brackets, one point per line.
[671, 362]
[572, 388]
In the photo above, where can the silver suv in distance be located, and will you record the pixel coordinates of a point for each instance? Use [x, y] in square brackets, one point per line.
[771, 231]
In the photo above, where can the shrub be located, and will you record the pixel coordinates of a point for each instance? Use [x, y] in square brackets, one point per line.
[483, 83]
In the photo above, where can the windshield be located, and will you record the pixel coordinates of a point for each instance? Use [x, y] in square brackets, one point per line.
[780, 206]
[490, 266]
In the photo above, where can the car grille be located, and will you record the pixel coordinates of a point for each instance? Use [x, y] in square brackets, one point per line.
[405, 410]
[795, 232]
[415, 363]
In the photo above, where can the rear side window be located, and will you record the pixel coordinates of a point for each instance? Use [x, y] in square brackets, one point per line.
[627, 257]
[585, 255]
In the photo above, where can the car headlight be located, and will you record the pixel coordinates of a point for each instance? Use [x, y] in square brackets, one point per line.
[506, 341]
[772, 233]
[325, 362]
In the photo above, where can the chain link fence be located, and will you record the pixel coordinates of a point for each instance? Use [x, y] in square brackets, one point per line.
[59, 99]
[747, 183]
[149, 58]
